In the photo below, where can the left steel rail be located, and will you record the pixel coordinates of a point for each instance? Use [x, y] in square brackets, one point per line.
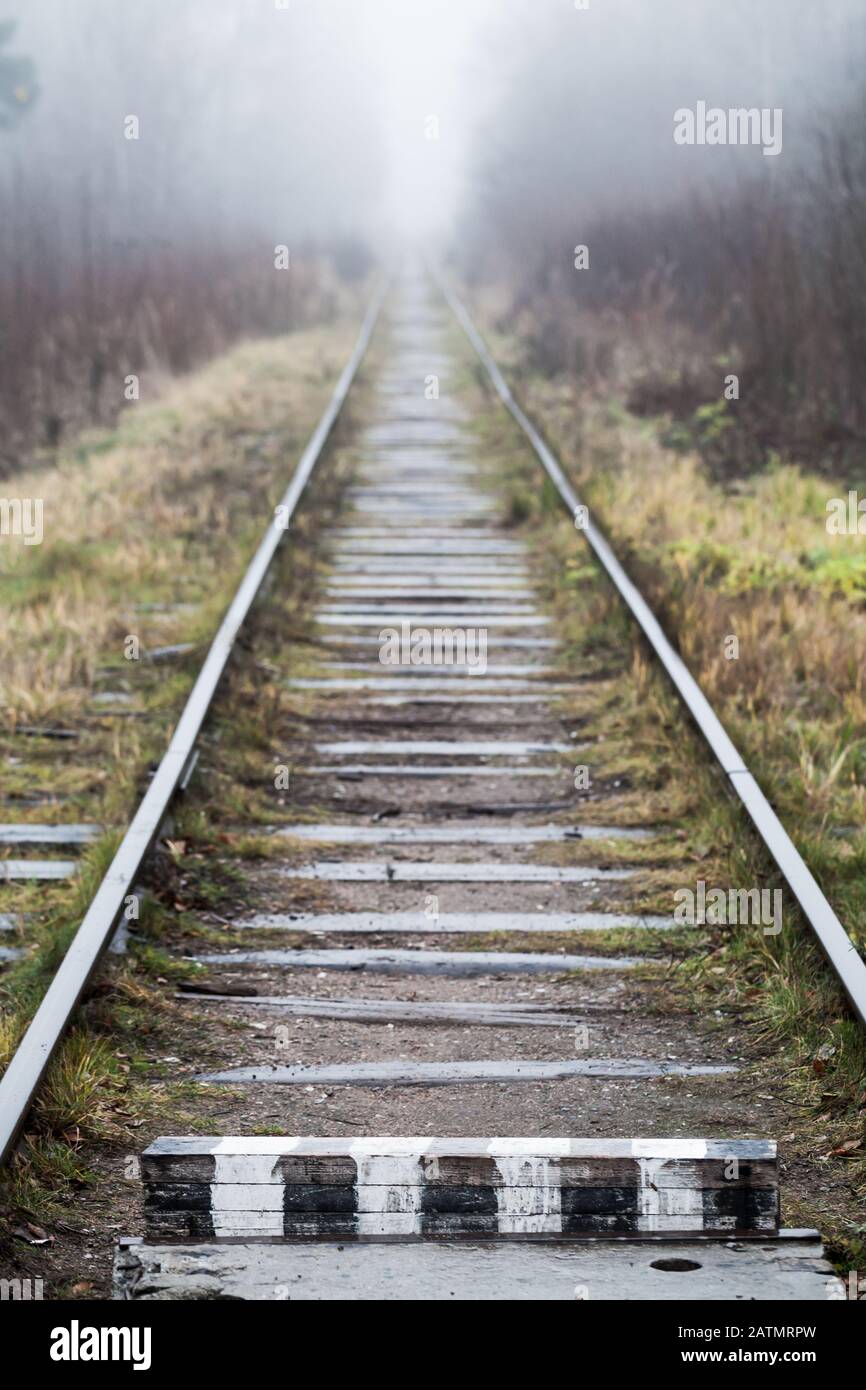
[28, 1065]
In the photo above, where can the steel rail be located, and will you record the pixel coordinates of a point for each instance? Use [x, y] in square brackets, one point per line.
[837, 944]
[27, 1067]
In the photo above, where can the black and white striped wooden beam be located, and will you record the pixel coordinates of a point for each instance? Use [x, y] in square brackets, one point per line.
[271, 1187]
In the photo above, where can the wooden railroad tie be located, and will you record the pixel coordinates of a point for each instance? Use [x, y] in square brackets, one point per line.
[284, 1187]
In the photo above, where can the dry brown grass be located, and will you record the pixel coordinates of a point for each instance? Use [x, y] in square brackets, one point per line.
[168, 510]
[164, 512]
[756, 561]
[753, 561]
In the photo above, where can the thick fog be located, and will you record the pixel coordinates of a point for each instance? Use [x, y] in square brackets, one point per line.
[310, 118]
[580, 117]
[250, 118]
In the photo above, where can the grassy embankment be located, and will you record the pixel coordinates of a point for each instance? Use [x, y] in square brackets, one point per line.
[752, 560]
[147, 531]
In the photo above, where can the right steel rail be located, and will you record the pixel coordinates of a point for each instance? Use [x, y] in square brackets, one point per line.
[837, 944]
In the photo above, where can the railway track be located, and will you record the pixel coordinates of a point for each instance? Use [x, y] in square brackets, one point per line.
[418, 957]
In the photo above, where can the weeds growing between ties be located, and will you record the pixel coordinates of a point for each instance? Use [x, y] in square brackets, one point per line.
[438, 646]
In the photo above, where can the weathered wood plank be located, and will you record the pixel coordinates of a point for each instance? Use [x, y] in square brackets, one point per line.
[40, 869]
[433, 617]
[457, 964]
[427, 748]
[461, 1073]
[435, 770]
[458, 832]
[451, 923]
[489, 606]
[407, 871]
[400, 1011]
[23, 833]
[432, 1187]
[366, 639]
[458, 684]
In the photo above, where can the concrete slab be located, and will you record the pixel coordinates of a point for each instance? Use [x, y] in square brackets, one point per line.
[395, 1271]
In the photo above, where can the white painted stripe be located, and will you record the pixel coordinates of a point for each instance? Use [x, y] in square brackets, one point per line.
[388, 1185]
[532, 1147]
[243, 1167]
[529, 1200]
[384, 1147]
[247, 1195]
[669, 1148]
[657, 1205]
[246, 1181]
[248, 1144]
[253, 1225]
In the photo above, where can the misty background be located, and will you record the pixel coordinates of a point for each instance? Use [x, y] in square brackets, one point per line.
[497, 134]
